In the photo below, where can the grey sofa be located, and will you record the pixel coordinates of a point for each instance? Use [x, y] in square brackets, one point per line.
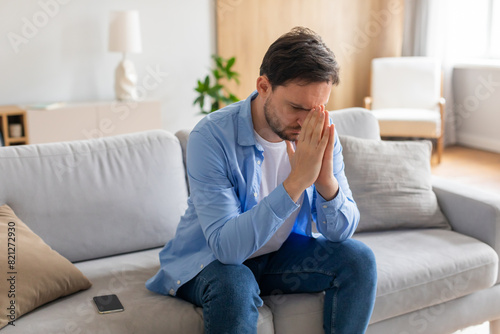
[109, 205]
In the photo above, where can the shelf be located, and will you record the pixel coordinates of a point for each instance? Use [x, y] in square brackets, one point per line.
[18, 140]
[78, 121]
[10, 115]
[11, 110]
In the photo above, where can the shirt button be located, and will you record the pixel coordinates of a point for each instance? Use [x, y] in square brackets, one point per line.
[254, 194]
[201, 266]
[258, 162]
[171, 292]
[178, 282]
[325, 206]
[324, 222]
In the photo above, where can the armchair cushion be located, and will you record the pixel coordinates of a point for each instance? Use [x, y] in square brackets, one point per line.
[391, 183]
[403, 122]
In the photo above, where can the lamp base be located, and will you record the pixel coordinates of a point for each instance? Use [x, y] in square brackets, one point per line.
[125, 81]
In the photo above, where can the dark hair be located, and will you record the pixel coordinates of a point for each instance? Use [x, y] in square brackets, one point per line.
[299, 54]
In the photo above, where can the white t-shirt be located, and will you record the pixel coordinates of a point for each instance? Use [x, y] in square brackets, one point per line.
[275, 169]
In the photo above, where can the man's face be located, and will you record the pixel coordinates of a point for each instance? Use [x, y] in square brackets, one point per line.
[287, 106]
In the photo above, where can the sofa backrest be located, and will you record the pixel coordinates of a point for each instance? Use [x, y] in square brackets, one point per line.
[100, 197]
[356, 122]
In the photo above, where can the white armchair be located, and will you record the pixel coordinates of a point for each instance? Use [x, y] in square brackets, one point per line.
[406, 98]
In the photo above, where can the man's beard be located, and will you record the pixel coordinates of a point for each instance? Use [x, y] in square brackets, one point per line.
[276, 126]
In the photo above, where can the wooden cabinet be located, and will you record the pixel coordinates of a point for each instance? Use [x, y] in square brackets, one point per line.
[13, 129]
[77, 121]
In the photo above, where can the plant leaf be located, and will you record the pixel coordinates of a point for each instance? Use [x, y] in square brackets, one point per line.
[217, 75]
[198, 100]
[214, 91]
[230, 63]
[233, 98]
[207, 82]
[215, 106]
[219, 62]
[218, 93]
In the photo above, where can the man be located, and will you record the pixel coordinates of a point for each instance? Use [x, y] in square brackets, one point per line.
[260, 172]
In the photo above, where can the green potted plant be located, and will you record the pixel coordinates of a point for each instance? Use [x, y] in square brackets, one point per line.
[215, 90]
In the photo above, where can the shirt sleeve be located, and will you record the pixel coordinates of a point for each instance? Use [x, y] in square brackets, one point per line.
[231, 234]
[338, 218]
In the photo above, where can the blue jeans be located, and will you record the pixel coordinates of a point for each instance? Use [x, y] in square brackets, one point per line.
[346, 271]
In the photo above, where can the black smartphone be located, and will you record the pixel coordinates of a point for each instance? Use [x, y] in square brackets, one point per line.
[108, 304]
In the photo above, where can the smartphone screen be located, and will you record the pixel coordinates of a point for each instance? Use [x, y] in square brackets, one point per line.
[108, 304]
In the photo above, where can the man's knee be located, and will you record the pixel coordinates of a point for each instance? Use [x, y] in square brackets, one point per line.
[230, 274]
[362, 259]
[354, 254]
[237, 282]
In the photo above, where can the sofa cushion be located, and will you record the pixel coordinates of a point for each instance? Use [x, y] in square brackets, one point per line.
[297, 313]
[425, 267]
[416, 269]
[144, 312]
[99, 197]
[391, 184]
[407, 122]
[33, 274]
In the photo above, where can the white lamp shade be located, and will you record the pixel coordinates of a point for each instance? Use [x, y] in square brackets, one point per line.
[125, 32]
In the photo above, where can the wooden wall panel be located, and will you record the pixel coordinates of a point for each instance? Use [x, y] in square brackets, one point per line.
[355, 30]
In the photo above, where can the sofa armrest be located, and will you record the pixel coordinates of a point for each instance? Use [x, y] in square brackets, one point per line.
[469, 210]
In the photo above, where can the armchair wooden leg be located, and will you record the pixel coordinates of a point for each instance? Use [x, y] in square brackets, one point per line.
[440, 145]
[495, 326]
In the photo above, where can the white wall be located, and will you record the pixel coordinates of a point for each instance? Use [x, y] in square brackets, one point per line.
[56, 50]
[476, 92]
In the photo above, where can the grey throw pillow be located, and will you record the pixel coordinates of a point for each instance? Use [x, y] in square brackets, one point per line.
[391, 184]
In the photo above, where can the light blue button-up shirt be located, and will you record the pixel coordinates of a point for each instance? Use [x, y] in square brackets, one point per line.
[223, 220]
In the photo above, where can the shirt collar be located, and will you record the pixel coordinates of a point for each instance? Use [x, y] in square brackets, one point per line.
[245, 124]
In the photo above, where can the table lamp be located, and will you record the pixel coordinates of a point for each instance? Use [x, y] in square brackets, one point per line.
[125, 36]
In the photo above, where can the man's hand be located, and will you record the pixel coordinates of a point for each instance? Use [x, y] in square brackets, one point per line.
[326, 183]
[307, 159]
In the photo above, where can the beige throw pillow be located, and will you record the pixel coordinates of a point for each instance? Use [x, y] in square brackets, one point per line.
[32, 273]
[391, 184]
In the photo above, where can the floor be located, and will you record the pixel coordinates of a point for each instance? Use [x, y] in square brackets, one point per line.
[480, 329]
[470, 166]
[476, 168]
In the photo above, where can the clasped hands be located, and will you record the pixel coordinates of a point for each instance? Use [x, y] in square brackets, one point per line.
[312, 158]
